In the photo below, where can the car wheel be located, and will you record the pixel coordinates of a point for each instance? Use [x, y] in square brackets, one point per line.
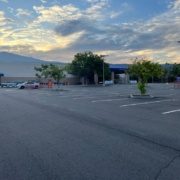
[22, 87]
[36, 87]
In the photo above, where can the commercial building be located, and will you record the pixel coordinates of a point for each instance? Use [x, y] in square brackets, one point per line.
[119, 73]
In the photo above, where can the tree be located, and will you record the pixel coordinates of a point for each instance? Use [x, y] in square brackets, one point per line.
[56, 72]
[175, 70]
[50, 71]
[43, 71]
[167, 72]
[145, 69]
[1, 75]
[86, 64]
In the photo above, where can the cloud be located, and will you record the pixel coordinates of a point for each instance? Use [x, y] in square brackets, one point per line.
[11, 10]
[97, 1]
[56, 14]
[156, 37]
[32, 37]
[62, 31]
[23, 12]
[5, 28]
[4, 1]
[4, 21]
[123, 9]
[44, 1]
[115, 14]
[73, 26]
[97, 9]
[96, 36]
[2, 18]
[59, 14]
[175, 4]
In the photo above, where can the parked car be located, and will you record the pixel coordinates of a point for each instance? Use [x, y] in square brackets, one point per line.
[9, 85]
[108, 83]
[30, 85]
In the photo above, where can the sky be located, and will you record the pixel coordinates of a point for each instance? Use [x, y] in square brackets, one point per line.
[121, 29]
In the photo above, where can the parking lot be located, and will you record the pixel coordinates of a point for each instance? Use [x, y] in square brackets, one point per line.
[90, 133]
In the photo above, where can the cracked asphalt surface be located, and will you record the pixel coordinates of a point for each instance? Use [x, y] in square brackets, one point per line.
[90, 133]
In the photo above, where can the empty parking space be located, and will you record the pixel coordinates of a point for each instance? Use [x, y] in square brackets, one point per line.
[115, 98]
[108, 100]
[77, 128]
[146, 103]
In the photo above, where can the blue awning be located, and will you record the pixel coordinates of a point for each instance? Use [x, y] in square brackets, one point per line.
[120, 67]
[178, 79]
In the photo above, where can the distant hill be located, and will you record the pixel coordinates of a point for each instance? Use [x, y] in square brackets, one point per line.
[14, 65]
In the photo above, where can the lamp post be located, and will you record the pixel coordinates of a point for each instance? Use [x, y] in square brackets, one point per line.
[103, 68]
[103, 74]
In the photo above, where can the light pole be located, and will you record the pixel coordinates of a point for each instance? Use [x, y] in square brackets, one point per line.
[102, 56]
[103, 74]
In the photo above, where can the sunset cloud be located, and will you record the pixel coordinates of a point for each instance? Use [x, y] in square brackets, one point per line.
[58, 31]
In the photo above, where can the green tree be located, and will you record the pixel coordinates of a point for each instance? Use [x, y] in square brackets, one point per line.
[42, 71]
[56, 72]
[175, 70]
[145, 69]
[50, 71]
[87, 64]
[1, 75]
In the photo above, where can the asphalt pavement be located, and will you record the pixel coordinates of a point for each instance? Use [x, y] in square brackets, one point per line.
[90, 133]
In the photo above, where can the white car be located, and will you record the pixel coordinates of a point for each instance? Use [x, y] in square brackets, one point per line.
[30, 85]
[108, 83]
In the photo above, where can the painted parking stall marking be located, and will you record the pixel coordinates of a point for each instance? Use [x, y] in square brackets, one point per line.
[173, 111]
[108, 100]
[84, 97]
[146, 103]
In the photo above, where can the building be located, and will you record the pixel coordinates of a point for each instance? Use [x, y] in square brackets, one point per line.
[119, 68]
[119, 73]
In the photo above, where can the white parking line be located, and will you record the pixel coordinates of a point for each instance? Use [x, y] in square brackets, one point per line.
[169, 112]
[9, 90]
[42, 93]
[170, 94]
[145, 103]
[108, 100]
[70, 96]
[85, 97]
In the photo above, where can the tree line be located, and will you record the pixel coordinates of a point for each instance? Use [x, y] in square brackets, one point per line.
[84, 65]
[87, 64]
